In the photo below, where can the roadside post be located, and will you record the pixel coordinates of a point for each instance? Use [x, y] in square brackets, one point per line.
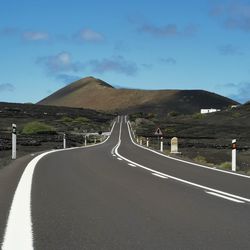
[64, 140]
[140, 141]
[85, 137]
[137, 139]
[161, 144]
[95, 140]
[13, 141]
[234, 148]
[147, 143]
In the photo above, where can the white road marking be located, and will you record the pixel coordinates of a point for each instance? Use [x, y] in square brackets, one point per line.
[119, 159]
[175, 178]
[18, 232]
[158, 175]
[225, 197]
[132, 165]
[190, 163]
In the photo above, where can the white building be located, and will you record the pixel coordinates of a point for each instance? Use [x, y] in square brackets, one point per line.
[206, 111]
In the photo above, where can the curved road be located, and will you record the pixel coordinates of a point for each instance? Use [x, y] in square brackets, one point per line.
[119, 195]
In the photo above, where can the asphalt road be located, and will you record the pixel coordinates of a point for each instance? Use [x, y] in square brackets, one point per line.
[118, 195]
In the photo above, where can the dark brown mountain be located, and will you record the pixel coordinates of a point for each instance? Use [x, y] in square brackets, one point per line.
[96, 94]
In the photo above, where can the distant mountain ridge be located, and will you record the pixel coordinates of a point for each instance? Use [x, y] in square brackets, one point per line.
[96, 94]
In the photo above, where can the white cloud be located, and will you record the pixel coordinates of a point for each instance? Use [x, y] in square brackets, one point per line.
[89, 35]
[61, 62]
[35, 36]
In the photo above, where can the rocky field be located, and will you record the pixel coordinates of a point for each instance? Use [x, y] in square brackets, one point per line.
[204, 139]
[41, 128]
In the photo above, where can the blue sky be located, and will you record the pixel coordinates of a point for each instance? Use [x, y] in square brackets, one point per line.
[160, 44]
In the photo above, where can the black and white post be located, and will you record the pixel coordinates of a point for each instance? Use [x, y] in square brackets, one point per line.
[161, 148]
[13, 141]
[64, 141]
[234, 148]
[147, 142]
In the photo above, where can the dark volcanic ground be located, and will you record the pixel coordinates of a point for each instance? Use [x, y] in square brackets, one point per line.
[72, 121]
[202, 138]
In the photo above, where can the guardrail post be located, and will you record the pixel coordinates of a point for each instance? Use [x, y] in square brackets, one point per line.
[234, 148]
[13, 141]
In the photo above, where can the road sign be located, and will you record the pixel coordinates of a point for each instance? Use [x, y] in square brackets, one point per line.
[158, 132]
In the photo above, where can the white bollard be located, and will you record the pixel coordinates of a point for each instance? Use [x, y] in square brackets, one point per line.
[64, 141]
[234, 155]
[137, 140]
[13, 141]
[147, 143]
[95, 141]
[85, 141]
[161, 144]
[140, 141]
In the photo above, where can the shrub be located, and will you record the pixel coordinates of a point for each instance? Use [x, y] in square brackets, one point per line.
[66, 119]
[173, 113]
[81, 120]
[37, 128]
[226, 165]
[235, 114]
[200, 159]
[198, 116]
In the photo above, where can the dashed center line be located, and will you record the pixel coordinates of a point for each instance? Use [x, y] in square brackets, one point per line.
[161, 176]
[132, 165]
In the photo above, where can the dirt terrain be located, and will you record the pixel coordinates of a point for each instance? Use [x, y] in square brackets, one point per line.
[72, 121]
[98, 95]
[202, 138]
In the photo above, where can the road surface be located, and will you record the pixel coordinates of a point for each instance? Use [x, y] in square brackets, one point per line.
[118, 195]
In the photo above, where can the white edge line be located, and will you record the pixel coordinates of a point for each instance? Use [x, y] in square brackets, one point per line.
[18, 232]
[224, 197]
[175, 178]
[188, 162]
[158, 175]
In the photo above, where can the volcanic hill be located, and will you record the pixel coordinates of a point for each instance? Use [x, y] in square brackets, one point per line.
[96, 94]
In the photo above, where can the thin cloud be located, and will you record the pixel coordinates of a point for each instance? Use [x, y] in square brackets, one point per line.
[169, 30]
[229, 50]
[7, 87]
[35, 36]
[116, 64]
[61, 62]
[239, 91]
[234, 15]
[168, 60]
[9, 31]
[88, 35]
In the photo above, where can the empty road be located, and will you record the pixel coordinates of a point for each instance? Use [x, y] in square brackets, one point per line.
[118, 195]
